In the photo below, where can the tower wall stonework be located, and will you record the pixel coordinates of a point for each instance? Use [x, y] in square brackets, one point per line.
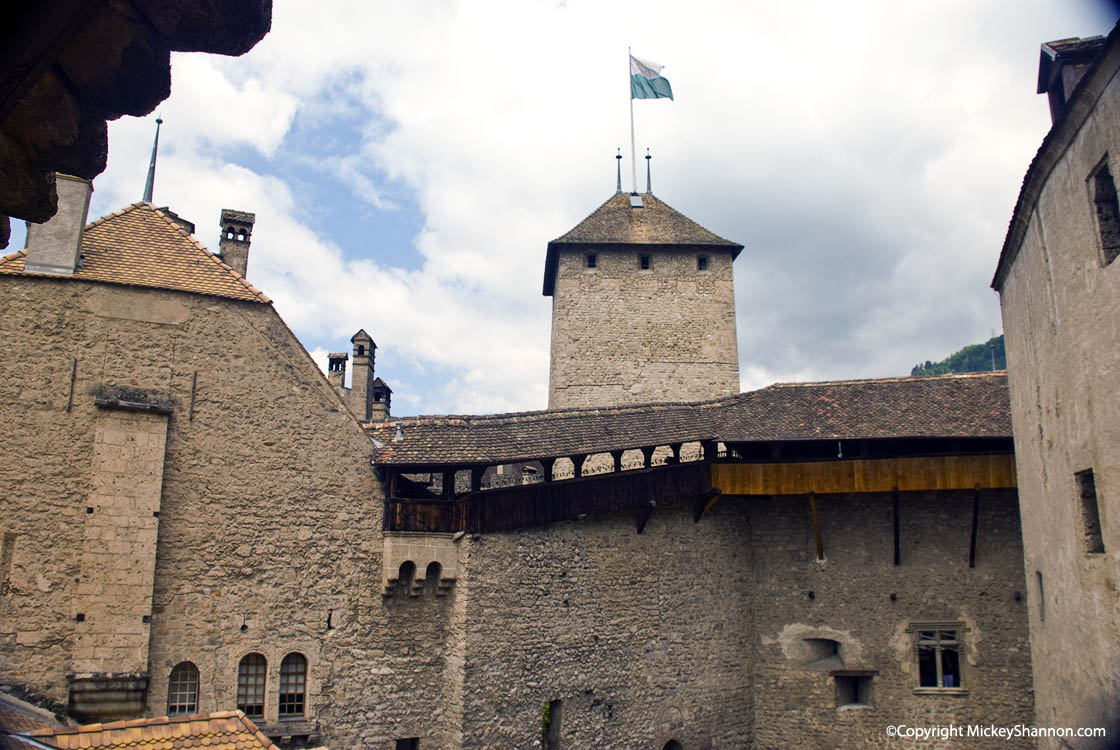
[1060, 299]
[623, 335]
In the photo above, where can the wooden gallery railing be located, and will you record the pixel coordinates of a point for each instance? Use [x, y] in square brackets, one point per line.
[542, 503]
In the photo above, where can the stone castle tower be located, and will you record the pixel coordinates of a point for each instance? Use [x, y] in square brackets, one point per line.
[643, 308]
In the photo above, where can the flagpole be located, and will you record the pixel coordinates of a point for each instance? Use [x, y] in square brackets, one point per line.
[633, 151]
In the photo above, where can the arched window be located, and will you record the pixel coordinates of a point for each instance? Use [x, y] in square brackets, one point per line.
[672, 745]
[250, 684]
[293, 684]
[182, 689]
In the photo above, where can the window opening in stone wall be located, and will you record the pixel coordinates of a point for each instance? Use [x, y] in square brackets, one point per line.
[410, 743]
[853, 689]
[182, 689]
[361, 349]
[939, 659]
[702, 263]
[406, 575]
[432, 574]
[551, 717]
[250, 685]
[643, 262]
[821, 653]
[1090, 511]
[1108, 211]
[293, 685]
[1041, 596]
[672, 745]
[592, 260]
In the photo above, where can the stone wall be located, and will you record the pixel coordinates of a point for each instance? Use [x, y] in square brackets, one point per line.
[696, 632]
[269, 527]
[624, 335]
[858, 598]
[1061, 304]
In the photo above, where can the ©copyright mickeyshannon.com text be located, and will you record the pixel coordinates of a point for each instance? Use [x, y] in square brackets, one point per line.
[951, 731]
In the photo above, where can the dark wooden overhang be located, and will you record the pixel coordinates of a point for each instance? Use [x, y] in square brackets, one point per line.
[765, 468]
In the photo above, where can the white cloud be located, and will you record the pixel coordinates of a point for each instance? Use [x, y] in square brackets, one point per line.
[867, 154]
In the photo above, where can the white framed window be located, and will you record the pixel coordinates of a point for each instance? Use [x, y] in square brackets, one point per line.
[939, 656]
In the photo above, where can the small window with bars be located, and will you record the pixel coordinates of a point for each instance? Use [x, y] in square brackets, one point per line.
[250, 685]
[938, 652]
[293, 685]
[182, 689]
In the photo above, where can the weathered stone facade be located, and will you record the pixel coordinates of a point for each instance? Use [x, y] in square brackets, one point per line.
[1060, 295]
[203, 494]
[643, 308]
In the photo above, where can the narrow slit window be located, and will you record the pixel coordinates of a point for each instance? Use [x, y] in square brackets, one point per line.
[1090, 511]
[702, 263]
[592, 260]
[1108, 211]
[643, 262]
[293, 685]
[1041, 596]
[250, 685]
[182, 689]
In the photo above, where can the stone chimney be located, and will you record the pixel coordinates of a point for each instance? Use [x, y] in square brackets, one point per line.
[380, 393]
[55, 246]
[336, 370]
[361, 381]
[237, 226]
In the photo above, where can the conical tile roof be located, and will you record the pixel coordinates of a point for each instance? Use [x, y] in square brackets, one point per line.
[617, 224]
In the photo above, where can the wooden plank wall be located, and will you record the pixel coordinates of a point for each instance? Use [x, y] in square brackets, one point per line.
[866, 475]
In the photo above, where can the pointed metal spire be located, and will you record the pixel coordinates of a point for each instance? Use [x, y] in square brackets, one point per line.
[619, 160]
[151, 183]
[649, 191]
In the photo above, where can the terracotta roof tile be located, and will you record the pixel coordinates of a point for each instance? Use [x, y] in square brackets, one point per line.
[142, 246]
[224, 730]
[974, 405]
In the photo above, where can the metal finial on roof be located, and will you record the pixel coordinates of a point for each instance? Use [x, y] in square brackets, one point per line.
[648, 157]
[618, 158]
[151, 183]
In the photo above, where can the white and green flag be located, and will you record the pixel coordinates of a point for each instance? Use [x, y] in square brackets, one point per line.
[646, 81]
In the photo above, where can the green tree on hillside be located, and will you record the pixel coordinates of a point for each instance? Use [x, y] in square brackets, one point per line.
[973, 358]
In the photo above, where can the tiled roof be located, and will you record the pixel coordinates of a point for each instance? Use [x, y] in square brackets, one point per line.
[225, 730]
[974, 405]
[142, 246]
[616, 223]
[20, 716]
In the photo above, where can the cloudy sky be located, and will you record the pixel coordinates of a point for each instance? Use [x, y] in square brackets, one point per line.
[408, 163]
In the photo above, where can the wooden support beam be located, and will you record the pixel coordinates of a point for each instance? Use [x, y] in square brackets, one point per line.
[547, 463]
[710, 449]
[643, 516]
[975, 525]
[894, 507]
[577, 464]
[476, 478]
[390, 482]
[647, 456]
[816, 525]
[617, 456]
[449, 485]
[704, 503]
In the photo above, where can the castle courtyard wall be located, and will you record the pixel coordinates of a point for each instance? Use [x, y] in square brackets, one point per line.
[1061, 303]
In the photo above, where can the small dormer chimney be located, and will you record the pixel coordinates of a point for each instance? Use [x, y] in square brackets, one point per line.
[380, 394]
[336, 370]
[361, 379]
[55, 246]
[237, 228]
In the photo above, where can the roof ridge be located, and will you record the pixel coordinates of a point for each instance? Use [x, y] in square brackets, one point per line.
[895, 379]
[212, 256]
